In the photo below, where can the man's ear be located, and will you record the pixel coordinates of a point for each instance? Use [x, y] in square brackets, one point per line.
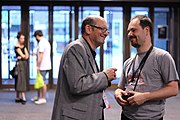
[88, 29]
[147, 30]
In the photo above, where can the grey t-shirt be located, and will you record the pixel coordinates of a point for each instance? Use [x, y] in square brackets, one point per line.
[158, 70]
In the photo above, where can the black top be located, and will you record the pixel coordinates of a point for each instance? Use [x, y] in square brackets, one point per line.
[22, 49]
[94, 56]
[92, 51]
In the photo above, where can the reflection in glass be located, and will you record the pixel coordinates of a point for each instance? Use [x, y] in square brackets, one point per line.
[38, 21]
[138, 11]
[160, 19]
[61, 34]
[11, 21]
[113, 47]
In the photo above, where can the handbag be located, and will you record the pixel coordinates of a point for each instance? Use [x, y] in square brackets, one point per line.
[14, 71]
[39, 81]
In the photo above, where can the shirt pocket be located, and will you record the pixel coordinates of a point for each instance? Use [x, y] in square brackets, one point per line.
[76, 111]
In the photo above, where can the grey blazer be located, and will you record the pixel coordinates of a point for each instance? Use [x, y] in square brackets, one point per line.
[80, 86]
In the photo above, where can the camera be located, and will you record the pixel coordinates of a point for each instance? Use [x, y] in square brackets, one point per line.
[125, 97]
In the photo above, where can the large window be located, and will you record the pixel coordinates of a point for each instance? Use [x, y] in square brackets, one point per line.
[11, 21]
[38, 21]
[113, 47]
[161, 22]
[61, 28]
[63, 33]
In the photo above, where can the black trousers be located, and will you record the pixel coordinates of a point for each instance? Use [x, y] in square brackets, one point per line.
[123, 117]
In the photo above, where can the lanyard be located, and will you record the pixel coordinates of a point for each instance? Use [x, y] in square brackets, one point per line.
[141, 65]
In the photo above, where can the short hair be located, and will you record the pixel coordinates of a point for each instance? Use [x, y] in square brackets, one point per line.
[144, 22]
[19, 34]
[87, 21]
[38, 32]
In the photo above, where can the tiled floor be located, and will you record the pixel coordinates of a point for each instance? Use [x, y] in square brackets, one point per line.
[12, 111]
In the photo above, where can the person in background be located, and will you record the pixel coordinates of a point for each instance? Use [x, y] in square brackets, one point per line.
[43, 64]
[148, 78]
[81, 85]
[21, 79]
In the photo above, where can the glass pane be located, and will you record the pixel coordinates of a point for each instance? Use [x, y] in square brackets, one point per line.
[38, 21]
[61, 34]
[113, 47]
[11, 20]
[160, 24]
[138, 11]
[84, 12]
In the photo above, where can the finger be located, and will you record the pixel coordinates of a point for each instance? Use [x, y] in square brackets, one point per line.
[114, 69]
[131, 100]
[123, 104]
[132, 104]
[131, 92]
[121, 101]
[116, 94]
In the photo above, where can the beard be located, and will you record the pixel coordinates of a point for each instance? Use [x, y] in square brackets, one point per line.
[134, 44]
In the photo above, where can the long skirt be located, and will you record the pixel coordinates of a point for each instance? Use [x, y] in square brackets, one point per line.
[22, 78]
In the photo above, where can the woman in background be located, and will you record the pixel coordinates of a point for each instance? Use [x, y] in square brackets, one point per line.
[22, 78]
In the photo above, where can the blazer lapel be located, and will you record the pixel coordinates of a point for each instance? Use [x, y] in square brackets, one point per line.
[90, 57]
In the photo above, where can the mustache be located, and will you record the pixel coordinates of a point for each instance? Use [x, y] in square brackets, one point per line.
[133, 36]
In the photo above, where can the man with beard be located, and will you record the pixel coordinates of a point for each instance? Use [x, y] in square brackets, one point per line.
[148, 78]
[80, 86]
[43, 65]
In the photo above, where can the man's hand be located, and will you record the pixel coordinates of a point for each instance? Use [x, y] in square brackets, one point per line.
[118, 96]
[137, 99]
[111, 73]
[38, 69]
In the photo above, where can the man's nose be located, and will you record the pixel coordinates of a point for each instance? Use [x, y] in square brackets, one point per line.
[106, 33]
[130, 33]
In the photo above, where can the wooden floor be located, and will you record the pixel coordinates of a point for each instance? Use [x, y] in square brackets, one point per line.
[9, 110]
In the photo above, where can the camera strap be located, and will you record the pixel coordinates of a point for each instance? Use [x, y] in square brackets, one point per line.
[141, 65]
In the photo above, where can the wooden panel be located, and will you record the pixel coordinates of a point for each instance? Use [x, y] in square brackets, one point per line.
[25, 29]
[126, 20]
[96, 0]
[50, 21]
[176, 37]
[0, 50]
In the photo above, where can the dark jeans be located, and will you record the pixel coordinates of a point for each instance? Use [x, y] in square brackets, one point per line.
[123, 117]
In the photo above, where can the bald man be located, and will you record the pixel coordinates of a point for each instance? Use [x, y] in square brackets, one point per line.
[80, 86]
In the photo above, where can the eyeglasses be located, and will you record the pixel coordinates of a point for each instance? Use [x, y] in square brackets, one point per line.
[100, 28]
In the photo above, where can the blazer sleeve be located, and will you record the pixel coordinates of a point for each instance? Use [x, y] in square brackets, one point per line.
[77, 73]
